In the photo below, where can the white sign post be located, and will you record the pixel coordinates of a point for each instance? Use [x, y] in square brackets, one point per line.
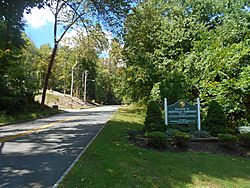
[166, 111]
[199, 114]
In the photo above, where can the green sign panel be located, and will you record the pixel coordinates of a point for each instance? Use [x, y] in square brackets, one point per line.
[182, 112]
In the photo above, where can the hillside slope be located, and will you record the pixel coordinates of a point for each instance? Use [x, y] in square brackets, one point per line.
[64, 101]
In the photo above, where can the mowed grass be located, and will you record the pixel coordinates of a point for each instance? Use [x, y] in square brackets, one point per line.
[112, 161]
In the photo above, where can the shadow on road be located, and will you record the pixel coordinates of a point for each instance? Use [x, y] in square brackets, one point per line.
[39, 159]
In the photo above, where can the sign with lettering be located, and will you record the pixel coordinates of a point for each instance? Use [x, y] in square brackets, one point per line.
[182, 112]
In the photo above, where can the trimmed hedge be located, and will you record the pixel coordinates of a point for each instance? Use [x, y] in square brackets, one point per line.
[215, 121]
[170, 133]
[228, 141]
[244, 139]
[181, 128]
[201, 134]
[227, 138]
[157, 139]
[181, 139]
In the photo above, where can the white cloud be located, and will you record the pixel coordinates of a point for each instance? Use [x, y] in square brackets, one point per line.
[39, 17]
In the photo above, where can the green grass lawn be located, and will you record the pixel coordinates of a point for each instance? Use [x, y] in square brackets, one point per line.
[112, 161]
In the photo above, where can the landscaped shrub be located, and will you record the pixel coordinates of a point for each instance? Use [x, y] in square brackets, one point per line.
[201, 134]
[244, 139]
[170, 133]
[156, 139]
[244, 129]
[232, 131]
[228, 141]
[154, 120]
[244, 122]
[215, 121]
[181, 128]
[181, 139]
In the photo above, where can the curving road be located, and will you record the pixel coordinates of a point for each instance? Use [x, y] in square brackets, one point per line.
[37, 153]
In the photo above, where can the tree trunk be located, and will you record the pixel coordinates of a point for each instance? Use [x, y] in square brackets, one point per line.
[46, 81]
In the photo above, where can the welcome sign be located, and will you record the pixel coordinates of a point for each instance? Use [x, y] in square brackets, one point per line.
[182, 112]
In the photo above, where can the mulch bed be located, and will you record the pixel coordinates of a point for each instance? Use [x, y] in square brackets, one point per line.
[199, 146]
[215, 147]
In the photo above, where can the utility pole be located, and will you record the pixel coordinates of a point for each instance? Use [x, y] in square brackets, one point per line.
[85, 86]
[72, 79]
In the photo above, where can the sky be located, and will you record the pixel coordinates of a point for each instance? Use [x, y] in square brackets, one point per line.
[39, 28]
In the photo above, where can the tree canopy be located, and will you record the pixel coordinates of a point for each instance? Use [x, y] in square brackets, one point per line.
[192, 49]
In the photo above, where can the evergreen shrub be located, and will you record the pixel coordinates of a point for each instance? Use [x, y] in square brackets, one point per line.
[201, 134]
[228, 141]
[181, 128]
[181, 139]
[156, 139]
[170, 132]
[154, 120]
[244, 139]
[215, 121]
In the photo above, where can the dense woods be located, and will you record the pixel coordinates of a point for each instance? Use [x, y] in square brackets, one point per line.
[176, 49]
[189, 49]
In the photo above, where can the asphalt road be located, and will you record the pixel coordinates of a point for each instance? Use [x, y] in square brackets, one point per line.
[37, 153]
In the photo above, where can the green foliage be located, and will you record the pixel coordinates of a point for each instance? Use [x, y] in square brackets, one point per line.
[244, 139]
[32, 111]
[227, 138]
[154, 120]
[110, 77]
[182, 128]
[156, 139]
[170, 132]
[228, 141]
[105, 94]
[18, 86]
[174, 87]
[181, 139]
[201, 134]
[155, 93]
[192, 48]
[215, 121]
[16, 81]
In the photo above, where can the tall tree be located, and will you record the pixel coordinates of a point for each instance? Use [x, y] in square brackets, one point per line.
[87, 49]
[77, 13]
[192, 48]
[12, 73]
